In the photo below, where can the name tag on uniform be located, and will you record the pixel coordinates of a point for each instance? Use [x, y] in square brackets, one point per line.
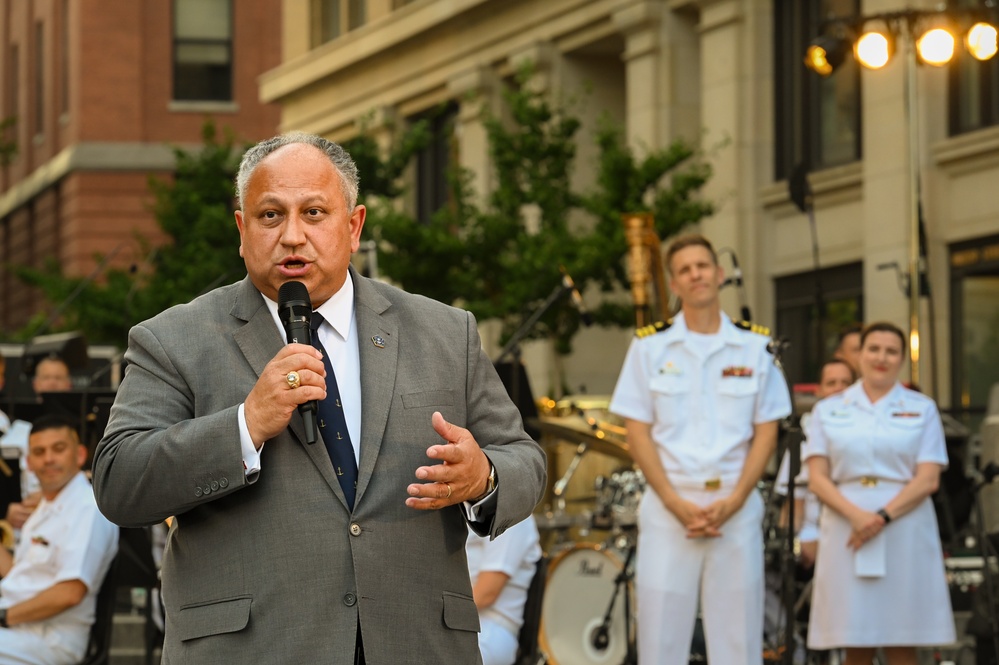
[737, 371]
[838, 417]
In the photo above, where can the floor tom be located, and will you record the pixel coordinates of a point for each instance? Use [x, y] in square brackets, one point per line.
[581, 583]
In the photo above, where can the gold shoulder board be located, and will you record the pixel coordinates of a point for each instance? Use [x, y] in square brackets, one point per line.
[653, 328]
[753, 327]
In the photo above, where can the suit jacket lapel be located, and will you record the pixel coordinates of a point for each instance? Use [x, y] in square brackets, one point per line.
[260, 340]
[378, 346]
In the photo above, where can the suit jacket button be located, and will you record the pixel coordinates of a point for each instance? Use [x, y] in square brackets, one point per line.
[197, 491]
[215, 485]
[207, 489]
[349, 599]
[355, 529]
[223, 482]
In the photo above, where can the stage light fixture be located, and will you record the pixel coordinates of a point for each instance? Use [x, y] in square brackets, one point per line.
[873, 50]
[825, 54]
[935, 47]
[981, 41]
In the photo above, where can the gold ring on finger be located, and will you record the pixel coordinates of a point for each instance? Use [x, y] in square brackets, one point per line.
[294, 380]
[448, 491]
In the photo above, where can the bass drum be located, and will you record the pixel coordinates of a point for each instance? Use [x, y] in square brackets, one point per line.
[578, 592]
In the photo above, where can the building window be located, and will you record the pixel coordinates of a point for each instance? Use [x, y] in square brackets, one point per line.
[817, 119]
[39, 78]
[973, 91]
[812, 309]
[202, 50]
[333, 18]
[434, 161]
[974, 301]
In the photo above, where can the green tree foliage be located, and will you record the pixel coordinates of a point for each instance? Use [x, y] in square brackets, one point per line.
[492, 260]
[195, 209]
[665, 182]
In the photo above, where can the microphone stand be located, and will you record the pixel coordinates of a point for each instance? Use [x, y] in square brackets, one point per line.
[526, 326]
[601, 637]
[512, 347]
[793, 449]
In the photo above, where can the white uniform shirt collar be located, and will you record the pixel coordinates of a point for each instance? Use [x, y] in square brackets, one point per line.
[66, 496]
[338, 310]
[678, 330]
[856, 394]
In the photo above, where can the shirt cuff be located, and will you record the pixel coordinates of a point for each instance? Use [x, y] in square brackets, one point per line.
[251, 456]
[482, 511]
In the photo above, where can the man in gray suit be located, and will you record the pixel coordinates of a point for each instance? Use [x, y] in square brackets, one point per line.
[280, 551]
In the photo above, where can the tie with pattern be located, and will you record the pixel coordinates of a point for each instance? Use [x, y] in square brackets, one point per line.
[333, 424]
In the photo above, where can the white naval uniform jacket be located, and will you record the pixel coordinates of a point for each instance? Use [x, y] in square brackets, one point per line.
[702, 409]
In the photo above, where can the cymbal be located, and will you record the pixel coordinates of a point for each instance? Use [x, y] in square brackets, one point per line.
[603, 438]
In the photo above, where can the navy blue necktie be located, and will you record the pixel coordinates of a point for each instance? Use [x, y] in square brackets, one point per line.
[333, 424]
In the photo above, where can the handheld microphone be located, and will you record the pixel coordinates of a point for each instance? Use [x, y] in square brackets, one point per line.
[577, 299]
[295, 312]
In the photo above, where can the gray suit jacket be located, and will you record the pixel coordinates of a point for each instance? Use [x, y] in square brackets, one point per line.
[276, 569]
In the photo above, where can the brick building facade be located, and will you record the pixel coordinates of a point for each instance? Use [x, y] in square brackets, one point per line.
[100, 91]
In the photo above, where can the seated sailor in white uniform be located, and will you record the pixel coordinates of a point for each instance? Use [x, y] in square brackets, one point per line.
[48, 594]
[501, 570]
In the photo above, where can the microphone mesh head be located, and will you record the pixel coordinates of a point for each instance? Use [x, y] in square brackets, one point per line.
[293, 293]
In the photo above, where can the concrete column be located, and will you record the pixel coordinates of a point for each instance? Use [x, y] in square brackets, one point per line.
[476, 90]
[722, 28]
[662, 74]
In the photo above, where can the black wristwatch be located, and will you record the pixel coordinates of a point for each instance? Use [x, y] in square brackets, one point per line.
[885, 516]
[3, 618]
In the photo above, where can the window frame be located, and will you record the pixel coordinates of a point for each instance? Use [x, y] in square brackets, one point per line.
[176, 42]
[798, 92]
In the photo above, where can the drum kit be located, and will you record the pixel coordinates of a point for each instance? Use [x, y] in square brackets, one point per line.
[589, 525]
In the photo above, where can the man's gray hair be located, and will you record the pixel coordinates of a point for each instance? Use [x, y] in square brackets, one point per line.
[341, 160]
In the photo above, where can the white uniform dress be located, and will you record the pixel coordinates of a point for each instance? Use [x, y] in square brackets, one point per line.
[892, 590]
[64, 539]
[514, 553]
[702, 394]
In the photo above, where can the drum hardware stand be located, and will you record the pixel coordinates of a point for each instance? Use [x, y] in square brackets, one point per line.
[560, 485]
[601, 637]
[989, 473]
[794, 437]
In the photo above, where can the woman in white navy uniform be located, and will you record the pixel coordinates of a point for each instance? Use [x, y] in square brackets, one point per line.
[875, 453]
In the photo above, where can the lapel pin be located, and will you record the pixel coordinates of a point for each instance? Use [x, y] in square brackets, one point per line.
[378, 341]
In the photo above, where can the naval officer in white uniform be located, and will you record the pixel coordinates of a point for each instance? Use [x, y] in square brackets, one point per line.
[701, 398]
[875, 453]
